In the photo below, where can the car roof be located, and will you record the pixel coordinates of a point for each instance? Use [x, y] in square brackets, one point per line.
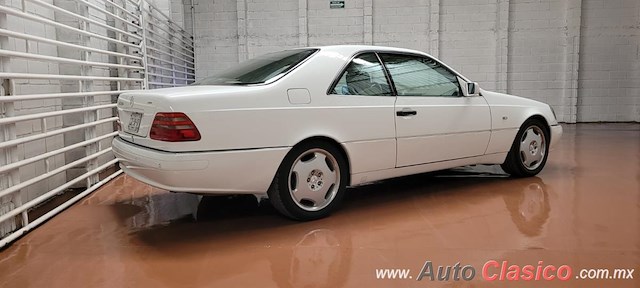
[348, 50]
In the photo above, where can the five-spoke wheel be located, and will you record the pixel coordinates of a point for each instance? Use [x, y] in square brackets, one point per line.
[310, 181]
[314, 179]
[528, 153]
[533, 147]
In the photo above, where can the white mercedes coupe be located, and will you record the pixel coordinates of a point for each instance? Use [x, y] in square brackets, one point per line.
[299, 126]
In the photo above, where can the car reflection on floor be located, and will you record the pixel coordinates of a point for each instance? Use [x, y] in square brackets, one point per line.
[318, 252]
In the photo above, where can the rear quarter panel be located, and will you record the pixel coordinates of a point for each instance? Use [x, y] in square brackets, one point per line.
[263, 117]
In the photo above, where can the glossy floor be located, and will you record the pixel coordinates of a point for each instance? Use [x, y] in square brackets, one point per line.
[582, 211]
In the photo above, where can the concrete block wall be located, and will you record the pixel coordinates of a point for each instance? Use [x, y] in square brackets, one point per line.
[609, 72]
[261, 17]
[401, 23]
[216, 35]
[468, 39]
[186, 17]
[339, 26]
[580, 56]
[543, 53]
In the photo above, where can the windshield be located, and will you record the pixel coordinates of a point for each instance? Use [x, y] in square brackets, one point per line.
[259, 70]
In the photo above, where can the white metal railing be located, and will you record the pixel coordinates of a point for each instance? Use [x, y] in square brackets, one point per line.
[92, 50]
[170, 57]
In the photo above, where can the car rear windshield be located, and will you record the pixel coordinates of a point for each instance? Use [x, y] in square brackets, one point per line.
[263, 69]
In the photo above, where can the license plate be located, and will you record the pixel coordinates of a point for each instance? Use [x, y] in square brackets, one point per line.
[134, 122]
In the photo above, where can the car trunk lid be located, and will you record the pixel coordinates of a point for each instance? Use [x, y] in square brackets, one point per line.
[136, 112]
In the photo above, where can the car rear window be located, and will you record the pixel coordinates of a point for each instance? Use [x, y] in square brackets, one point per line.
[263, 69]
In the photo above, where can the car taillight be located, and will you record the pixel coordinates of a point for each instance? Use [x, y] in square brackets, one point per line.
[173, 127]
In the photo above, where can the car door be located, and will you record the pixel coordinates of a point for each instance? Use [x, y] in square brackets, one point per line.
[434, 121]
[364, 91]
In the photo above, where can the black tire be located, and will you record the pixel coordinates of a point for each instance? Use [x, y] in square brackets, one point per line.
[287, 182]
[514, 164]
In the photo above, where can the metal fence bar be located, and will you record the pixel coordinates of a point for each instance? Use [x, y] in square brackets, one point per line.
[64, 44]
[65, 60]
[89, 20]
[172, 49]
[100, 9]
[43, 135]
[169, 76]
[169, 50]
[171, 70]
[162, 57]
[163, 84]
[90, 133]
[62, 77]
[167, 54]
[168, 20]
[18, 233]
[28, 97]
[53, 114]
[122, 9]
[172, 63]
[43, 20]
[31, 181]
[159, 27]
[55, 191]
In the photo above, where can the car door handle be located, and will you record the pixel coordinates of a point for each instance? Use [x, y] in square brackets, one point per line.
[404, 113]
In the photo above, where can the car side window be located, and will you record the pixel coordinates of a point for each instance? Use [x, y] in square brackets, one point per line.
[420, 76]
[363, 76]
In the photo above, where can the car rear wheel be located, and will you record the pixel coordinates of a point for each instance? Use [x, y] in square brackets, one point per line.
[529, 150]
[310, 182]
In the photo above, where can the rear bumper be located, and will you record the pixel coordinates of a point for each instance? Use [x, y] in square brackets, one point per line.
[556, 134]
[224, 172]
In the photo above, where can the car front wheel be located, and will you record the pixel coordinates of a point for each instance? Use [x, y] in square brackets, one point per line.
[310, 182]
[529, 151]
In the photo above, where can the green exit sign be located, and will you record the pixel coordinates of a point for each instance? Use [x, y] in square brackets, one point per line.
[336, 4]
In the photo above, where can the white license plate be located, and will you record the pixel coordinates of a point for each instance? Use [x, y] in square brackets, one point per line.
[134, 122]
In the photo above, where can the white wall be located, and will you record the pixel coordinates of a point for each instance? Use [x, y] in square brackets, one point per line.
[609, 78]
[581, 56]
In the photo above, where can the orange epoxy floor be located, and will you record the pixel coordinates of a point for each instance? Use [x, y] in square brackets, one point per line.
[583, 211]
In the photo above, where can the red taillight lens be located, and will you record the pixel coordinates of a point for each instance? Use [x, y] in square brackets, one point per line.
[173, 127]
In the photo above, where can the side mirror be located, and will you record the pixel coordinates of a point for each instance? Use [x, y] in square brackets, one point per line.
[471, 87]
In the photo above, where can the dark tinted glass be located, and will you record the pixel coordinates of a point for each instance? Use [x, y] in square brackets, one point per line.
[420, 76]
[259, 70]
[363, 76]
